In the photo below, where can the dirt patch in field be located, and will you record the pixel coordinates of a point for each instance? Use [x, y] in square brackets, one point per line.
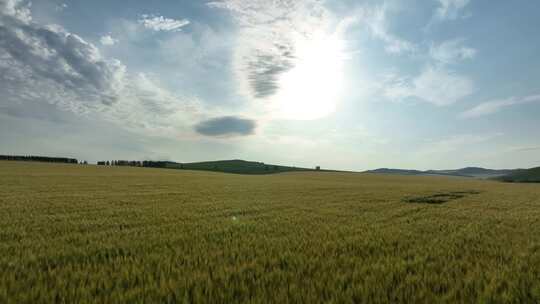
[441, 197]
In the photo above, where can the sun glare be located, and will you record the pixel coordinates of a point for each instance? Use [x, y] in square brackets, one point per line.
[313, 87]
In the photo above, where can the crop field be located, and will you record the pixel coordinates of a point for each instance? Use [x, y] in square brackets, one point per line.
[89, 234]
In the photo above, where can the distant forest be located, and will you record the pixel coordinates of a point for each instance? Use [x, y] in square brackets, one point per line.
[225, 166]
[66, 160]
[46, 159]
[136, 163]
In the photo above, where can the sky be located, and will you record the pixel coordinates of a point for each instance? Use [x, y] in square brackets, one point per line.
[343, 84]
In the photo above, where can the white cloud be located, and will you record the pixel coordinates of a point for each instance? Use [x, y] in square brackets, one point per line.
[435, 85]
[288, 52]
[47, 64]
[450, 9]
[452, 51]
[108, 40]
[17, 9]
[160, 23]
[376, 21]
[494, 106]
[52, 54]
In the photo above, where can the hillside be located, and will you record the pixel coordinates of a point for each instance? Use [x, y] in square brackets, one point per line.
[474, 172]
[395, 171]
[523, 176]
[234, 166]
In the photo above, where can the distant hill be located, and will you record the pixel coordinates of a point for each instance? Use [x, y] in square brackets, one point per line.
[475, 172]
[229, 166]
[396, 171]
[522, 176]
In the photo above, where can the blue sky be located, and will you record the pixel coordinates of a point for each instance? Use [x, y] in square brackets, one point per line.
[431, 84]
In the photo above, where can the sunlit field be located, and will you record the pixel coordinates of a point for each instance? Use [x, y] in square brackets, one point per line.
[77, 234]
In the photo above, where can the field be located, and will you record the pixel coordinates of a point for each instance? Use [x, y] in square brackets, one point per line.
[81, 234]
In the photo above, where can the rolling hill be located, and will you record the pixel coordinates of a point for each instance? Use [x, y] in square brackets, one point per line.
[522, 176]
[233, 166]
[395, 171]
[474, 172]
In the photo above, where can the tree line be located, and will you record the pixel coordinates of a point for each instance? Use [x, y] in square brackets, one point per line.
[46, 159]
[135, 163]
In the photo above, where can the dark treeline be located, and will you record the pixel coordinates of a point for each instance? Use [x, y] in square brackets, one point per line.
[130, 163]
[120, 163]
[160, 164]
[46, 159]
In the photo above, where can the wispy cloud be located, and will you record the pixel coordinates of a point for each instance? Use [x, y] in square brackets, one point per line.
[289, 56]
[491, 107]
[268, 31]
[160, 23]
[377, 23]
[451, 9]
[108, 40]
[452, 51]
[435, 85]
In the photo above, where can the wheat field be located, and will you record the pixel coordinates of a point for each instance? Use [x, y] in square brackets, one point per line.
[89, 234]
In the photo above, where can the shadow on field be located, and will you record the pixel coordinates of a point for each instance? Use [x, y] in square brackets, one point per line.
[440, 198]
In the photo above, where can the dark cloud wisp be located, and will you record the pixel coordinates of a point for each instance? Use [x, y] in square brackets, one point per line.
[226, 126]
[264, 72]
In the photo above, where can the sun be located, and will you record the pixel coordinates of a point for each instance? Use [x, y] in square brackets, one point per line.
[313, 87]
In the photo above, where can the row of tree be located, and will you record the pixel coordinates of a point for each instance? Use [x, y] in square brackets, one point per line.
[129, 163]
[46, 159]
[161, 164]
[134, 163]
[137, 163]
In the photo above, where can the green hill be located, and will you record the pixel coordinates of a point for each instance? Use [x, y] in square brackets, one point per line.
[523, 176]
[234, 166]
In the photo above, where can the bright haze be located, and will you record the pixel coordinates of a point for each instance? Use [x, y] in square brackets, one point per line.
[426, 84]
